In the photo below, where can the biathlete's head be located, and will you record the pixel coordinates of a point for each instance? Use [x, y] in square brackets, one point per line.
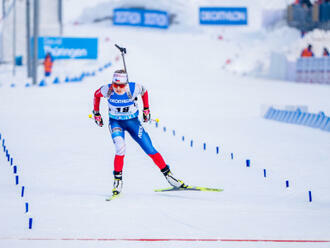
[119, 81]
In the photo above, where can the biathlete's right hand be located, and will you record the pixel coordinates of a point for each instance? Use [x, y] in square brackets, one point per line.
[98, 118]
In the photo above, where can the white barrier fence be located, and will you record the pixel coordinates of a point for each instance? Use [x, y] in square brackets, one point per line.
[313, 70]
[307, 70]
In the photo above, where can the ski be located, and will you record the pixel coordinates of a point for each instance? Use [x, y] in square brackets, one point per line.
[191, 188]
[110, 198]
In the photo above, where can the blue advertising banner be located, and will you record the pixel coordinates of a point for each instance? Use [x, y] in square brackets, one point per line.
[67, 48]
[223, 16]
[141, 18]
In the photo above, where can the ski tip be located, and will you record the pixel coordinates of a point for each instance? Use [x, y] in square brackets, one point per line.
[189, 188]
[161, 190]
[112, 197]
[211, 190]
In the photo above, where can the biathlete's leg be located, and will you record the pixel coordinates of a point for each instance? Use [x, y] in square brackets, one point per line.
[138, 133]
[118, 137]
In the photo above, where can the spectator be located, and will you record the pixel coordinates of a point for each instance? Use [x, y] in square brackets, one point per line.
[307, 52]
[325, 52]
[48, 64]
[306, 2]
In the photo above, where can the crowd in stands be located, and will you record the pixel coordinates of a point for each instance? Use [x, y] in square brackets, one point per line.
[308, 52]
[307, 15]
[309, 4]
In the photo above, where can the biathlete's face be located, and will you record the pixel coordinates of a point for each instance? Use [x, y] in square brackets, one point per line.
[119, 88]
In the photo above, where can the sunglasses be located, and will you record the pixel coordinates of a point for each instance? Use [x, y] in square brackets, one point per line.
[118, 85]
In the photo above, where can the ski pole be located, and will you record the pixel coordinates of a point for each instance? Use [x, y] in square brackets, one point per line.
[123, 52]
[90, 116]
[153, 120]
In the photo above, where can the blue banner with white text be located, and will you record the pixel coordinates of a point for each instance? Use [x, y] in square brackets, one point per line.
[223, 16]
[141, 18]
[67, 48]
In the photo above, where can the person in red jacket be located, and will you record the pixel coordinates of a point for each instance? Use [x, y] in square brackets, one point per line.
[307, 52]
[325, 52]
[48, 64]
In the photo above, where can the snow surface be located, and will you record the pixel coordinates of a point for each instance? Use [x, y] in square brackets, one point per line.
[65, 161]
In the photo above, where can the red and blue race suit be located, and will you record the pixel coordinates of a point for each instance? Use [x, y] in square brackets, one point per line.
[123, 116]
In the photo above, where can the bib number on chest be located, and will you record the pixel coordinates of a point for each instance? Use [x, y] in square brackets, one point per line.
[122, 110]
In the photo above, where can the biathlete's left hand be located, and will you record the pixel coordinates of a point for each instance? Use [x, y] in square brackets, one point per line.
[146, 114]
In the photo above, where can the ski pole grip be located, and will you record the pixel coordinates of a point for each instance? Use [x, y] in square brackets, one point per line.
[121, 49]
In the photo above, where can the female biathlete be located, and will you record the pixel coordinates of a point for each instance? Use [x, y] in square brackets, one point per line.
[123, 116]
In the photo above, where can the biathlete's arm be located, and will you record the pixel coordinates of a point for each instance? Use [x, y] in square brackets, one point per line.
[145, 100]
[144, 95]
[97, 98]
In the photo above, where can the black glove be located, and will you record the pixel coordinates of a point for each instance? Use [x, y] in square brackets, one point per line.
[146, 114]
[98, 118]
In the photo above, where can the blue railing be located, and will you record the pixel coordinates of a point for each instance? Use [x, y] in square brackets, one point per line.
[298, 117]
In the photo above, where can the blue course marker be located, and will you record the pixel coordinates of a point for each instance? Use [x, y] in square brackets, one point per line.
[30, 223]
[173, 132]
[42, 83]
[16, 180]
[217, 149]
[191, 143]
[310, 196]
[248, 163]
[56, 81]
[182, 138]
[204, 146]
[265, 173]
[22, 192]
[26, 207]
[287, 183]
[15, 169]
[232, 155]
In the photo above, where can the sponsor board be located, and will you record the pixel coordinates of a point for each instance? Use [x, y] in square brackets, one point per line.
[67, 48]
[141, 18]
[223, 16]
